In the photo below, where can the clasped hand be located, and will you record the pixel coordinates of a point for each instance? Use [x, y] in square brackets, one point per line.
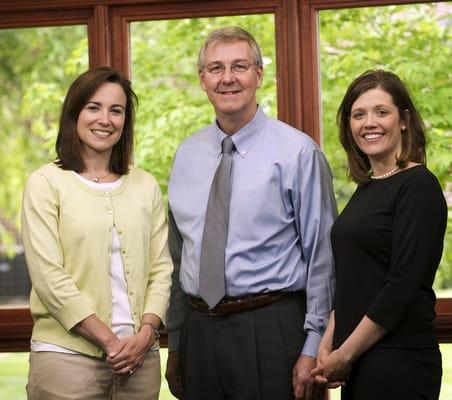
[332, 369]
[127, 355]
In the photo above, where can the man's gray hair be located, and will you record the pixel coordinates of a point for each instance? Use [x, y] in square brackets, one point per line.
[230, 34]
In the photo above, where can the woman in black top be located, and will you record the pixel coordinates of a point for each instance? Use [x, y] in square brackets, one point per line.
[387, 244]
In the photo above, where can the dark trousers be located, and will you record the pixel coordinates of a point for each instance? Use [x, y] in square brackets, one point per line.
[395, 374]
[243, 356]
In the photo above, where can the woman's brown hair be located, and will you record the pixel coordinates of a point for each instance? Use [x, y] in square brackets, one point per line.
[68, 145]
[413, 138]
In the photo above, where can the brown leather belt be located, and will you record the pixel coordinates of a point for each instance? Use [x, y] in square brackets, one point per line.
[234, 305]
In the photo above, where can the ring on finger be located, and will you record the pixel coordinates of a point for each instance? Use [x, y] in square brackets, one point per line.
[130, 370]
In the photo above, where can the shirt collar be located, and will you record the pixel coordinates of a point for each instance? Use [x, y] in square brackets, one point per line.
[244, 137]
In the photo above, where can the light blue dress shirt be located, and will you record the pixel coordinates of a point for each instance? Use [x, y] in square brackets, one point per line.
[281, 211]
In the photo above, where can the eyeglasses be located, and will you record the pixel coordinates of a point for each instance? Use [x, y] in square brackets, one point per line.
[236, 68]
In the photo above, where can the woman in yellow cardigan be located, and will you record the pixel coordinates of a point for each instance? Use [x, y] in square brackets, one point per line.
[95, 237]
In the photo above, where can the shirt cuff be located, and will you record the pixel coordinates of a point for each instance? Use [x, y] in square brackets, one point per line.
[73, 313]
[311, 344]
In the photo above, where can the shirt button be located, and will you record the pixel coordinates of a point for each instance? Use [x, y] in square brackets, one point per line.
[110, 211]
[123, 251]
[107, 192]
[119, 233]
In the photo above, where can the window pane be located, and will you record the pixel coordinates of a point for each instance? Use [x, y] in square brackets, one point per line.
[415, 42]
[164, 72]
[36, 67]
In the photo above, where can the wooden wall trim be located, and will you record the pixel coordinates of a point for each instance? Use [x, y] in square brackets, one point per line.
[308, 39]
[44, 18]
[120, 51]
[16, 326]
[335, 4]
[26, 5]
[15, 329]
[288, 67]
[192, 9]
[99, 37]
[443, 321]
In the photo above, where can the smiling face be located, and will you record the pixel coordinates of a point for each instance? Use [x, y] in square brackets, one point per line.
[101, 121]
[233, 95]
[376, 127]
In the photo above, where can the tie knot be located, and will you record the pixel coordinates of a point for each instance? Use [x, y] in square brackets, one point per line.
[227, 145]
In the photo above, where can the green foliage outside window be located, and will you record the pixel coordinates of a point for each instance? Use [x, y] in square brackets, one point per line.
[36, 67]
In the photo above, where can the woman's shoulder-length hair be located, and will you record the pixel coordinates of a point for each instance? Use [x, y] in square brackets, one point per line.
[413, 138]
[68, 145]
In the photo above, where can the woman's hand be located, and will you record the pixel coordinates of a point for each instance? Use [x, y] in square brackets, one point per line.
[325, 349]
[337, 365]
[131, 352]
[322, 356]
[334, 369]
[133, 349]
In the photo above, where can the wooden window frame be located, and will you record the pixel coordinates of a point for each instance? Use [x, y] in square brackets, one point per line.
[107, 21]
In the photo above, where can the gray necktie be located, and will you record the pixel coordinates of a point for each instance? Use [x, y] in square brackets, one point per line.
[211, 270]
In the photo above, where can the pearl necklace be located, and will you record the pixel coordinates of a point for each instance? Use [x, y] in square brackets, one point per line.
[96, 179]
[389, 173]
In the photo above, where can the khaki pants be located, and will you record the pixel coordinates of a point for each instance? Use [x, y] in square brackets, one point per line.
[59, 376]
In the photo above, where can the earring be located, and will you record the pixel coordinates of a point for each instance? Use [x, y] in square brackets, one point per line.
[403, 128]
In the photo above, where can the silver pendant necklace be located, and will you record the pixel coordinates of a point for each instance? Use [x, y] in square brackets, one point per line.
[96, 179]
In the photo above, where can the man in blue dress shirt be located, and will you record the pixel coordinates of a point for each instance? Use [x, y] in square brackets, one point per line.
[260, 342]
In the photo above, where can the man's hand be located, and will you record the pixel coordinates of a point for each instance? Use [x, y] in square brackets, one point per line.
[304, 384]
[172, 374]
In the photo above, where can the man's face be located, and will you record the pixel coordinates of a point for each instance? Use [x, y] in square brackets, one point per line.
[230, 79]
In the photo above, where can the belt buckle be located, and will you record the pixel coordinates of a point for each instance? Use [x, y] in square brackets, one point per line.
[211, 312]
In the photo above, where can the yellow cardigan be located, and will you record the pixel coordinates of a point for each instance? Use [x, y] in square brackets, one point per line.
[67, 234]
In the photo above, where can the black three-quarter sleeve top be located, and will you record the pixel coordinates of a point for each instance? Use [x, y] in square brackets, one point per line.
[387, 245]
